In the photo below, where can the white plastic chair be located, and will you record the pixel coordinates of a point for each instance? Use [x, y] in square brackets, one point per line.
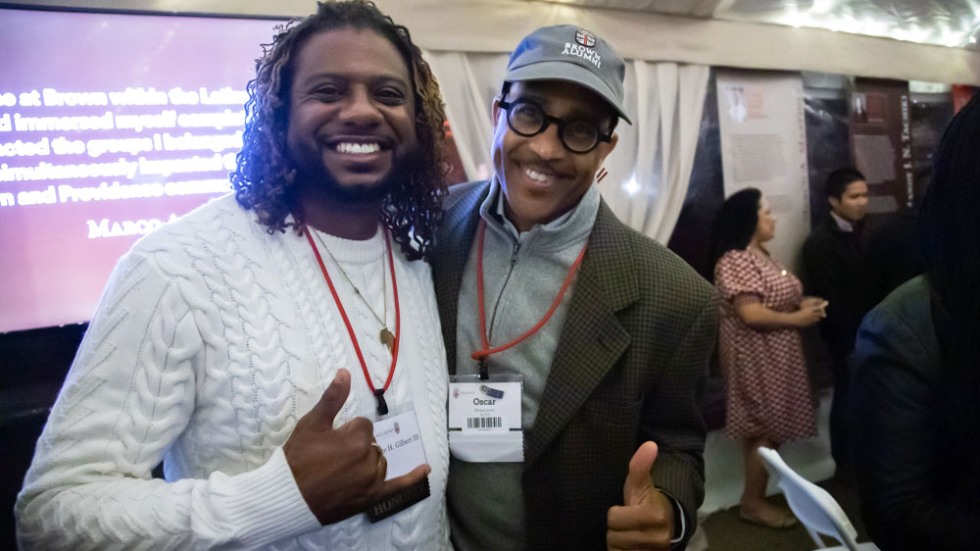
[815, 507]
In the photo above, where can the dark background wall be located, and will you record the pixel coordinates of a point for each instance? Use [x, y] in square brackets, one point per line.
[33, 365]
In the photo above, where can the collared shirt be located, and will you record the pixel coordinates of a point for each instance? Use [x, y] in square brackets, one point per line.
[842, 223]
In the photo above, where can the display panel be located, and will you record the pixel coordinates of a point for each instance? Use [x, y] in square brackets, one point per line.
[110, 125]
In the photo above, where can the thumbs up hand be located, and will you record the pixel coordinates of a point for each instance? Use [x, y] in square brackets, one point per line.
[646, 518]
[340, 472]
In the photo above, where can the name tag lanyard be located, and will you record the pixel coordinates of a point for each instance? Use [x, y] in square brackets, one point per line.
[378, 392]
[484, 353]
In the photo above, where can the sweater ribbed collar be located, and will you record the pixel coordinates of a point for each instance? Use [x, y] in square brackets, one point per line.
[352, 251]
[572, 227]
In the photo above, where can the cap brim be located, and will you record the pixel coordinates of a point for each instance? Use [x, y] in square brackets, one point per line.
[568, 72]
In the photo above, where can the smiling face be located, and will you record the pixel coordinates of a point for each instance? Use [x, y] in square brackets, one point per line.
[541, 179]
[351, 114]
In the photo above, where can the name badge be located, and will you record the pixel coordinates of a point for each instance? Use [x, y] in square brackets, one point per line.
[485, 419]
[401, 441]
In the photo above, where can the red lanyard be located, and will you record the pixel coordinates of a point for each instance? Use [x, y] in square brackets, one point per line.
[378, 392]
[485, 352]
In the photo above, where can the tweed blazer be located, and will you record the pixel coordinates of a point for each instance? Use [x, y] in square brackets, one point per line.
[630, 366]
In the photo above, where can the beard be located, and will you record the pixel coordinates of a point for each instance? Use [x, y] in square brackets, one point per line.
[321, 180]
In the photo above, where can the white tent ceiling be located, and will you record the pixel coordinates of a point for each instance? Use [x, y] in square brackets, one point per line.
[954, 23]
[924, 40]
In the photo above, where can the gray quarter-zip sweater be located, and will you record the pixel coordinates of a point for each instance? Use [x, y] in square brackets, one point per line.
[523, 273]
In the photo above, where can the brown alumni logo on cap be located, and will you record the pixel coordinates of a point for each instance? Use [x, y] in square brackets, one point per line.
[585, 38]
[584, 48]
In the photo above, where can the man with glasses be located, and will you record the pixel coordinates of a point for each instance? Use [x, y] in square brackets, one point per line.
[577, 348]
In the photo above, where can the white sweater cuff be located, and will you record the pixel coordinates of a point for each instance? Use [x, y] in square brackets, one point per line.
[266, 503]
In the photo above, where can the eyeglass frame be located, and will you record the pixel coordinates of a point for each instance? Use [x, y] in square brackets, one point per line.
[548, 120]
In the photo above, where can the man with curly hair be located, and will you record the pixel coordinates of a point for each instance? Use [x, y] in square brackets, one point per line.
[277, 349]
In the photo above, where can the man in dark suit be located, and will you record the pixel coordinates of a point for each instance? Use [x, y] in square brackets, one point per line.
[604, 334]
[834, 267]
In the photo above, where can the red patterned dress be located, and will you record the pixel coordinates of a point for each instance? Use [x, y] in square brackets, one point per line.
[767, 388]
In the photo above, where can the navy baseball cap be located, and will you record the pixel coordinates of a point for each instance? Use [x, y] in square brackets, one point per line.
[572, 54]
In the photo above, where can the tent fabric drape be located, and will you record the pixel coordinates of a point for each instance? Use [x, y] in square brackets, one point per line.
[648, 172]
[469, 82]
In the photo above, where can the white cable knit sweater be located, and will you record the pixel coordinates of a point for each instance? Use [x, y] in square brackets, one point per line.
[212, 339]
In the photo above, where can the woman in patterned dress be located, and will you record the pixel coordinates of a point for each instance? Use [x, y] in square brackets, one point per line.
[768, 397]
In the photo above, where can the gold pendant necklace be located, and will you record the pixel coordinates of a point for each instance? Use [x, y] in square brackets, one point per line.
[385, 336]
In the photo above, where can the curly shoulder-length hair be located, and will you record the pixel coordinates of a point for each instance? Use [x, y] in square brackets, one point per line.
[264, 177]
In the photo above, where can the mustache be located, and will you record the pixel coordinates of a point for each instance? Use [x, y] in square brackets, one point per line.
[533, 162]
[407, 167]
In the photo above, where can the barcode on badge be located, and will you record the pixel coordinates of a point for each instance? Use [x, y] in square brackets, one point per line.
[484, 422]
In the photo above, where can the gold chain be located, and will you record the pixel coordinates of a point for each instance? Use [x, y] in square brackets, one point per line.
[386, 337]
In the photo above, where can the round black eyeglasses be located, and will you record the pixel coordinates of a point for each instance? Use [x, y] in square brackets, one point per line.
[528, 119]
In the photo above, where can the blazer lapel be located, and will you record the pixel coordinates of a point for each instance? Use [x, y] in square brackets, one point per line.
[456, 237]
[592, 338]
